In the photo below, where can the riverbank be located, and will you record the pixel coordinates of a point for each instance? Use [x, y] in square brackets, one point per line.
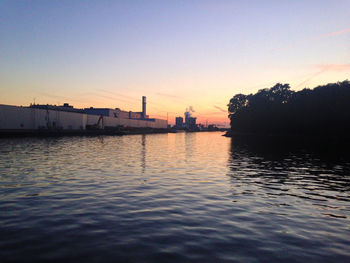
[93, 132]
[331, 143]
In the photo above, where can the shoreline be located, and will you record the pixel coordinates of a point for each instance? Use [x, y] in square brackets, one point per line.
[68, 133]
[335, 141]
[98, 132]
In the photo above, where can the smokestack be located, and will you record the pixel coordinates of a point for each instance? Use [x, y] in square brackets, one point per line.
[144, 107]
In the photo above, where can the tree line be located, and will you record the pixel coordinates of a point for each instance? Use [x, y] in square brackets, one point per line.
[324, 110]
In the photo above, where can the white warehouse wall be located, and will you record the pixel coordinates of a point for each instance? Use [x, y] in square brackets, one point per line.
[24, 118]
[13, 117]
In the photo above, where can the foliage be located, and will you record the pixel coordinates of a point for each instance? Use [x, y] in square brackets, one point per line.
[279, 110]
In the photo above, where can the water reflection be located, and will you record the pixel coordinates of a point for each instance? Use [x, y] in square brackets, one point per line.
[190, 141]
[101, 139]
[171, 198]
[143, 153]
[292, 170]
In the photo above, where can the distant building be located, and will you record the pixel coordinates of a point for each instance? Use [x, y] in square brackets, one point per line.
[118, 113]
[212, 127]
[187, 116]
[65, 107]
[143, 114]
[191, 123]
[59, 118]
[179, 122]
[100, 111]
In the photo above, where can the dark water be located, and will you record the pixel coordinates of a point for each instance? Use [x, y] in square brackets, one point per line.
[196, 197]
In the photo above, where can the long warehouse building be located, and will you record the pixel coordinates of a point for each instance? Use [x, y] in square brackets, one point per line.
[65, 117]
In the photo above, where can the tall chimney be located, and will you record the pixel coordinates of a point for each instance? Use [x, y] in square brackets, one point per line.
[144, 107]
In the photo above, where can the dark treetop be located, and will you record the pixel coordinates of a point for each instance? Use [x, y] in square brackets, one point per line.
[324, 110]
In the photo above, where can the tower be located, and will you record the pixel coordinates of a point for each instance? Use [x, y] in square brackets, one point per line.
[143, 107]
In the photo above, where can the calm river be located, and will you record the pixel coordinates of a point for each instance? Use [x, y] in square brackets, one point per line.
[185, 197]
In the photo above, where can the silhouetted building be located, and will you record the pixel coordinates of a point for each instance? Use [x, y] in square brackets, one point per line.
[212, 127]
[179, 122]
[144, 116]
[191, 123]
[118, 113]
[64, 107]
[53, 118]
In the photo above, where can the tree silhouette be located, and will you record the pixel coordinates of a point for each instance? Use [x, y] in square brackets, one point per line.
[325, 110]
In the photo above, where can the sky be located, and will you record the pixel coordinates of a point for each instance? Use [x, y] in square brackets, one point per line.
[177, 53]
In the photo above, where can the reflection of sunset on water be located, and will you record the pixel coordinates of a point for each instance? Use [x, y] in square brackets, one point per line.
[196, 195]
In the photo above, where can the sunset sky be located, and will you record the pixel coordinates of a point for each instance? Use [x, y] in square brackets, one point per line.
[177, 53]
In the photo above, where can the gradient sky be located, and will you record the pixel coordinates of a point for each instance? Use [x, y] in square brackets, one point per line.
[177, 53]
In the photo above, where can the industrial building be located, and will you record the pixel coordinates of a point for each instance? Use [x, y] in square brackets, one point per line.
[190, 122]
[118, 113]
[179, 122]
[66, 117]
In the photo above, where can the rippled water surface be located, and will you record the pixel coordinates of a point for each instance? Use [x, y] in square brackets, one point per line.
[195, 197]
